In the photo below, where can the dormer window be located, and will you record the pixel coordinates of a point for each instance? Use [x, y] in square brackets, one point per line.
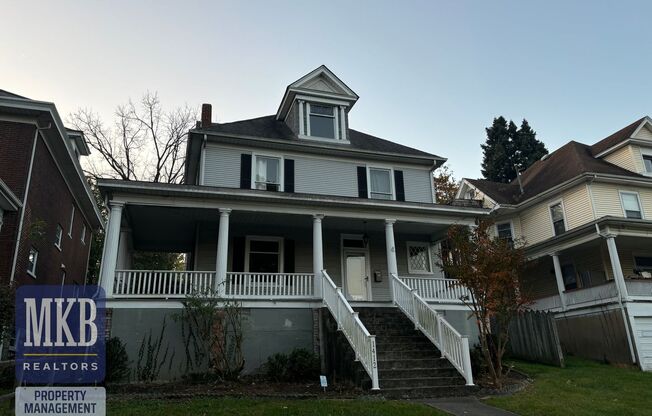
[322, 122]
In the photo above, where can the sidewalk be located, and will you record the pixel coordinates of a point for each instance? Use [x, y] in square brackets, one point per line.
[466, 406]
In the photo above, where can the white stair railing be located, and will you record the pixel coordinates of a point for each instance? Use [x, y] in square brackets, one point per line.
[438, 330]
[348, 321]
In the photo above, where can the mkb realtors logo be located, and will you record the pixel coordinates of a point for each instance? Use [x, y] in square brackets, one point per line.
[60, 341]
[60, 335]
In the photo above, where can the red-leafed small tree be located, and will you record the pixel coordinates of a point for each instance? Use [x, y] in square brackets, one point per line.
[489, 267]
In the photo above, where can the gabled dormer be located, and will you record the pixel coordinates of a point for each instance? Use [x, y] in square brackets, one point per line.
[316, 107]
[630, 147]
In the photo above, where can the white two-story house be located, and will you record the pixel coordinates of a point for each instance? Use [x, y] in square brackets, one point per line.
[584, 213]
[304, 220]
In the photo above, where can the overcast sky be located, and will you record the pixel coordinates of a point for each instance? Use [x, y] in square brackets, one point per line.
[431, 75]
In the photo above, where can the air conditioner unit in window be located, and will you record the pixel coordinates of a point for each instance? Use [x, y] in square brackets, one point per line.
[646, 275]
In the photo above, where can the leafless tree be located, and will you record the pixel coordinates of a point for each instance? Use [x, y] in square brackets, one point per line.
[145, 142]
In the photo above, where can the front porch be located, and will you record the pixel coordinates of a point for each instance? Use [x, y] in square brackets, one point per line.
[273, 256]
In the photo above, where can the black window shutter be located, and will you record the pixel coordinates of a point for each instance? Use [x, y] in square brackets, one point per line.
[362, 182]
[238, 254]
[399, 185]
[288, 175]
[245, 171]
[288, 256]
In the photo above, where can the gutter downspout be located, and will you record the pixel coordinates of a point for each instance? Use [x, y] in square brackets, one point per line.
[24, 207]
[623, 311]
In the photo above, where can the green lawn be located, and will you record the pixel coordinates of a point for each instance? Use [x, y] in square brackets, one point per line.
[269, 407]
[582, 388]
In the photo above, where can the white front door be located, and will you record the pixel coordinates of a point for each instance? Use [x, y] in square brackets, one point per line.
[356, 275]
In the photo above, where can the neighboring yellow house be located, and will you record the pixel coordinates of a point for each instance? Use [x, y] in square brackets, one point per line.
[584, 214]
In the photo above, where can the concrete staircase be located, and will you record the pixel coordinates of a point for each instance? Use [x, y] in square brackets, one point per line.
[409, 365]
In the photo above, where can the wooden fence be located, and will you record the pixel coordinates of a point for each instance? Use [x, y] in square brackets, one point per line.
[533, 336]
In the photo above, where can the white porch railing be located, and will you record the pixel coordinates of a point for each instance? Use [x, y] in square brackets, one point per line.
[451, 343]
[363, 344]
[639, 287]
[607, 291]
[270, 285]
[448, 290]
[179, 284]
[161, 283]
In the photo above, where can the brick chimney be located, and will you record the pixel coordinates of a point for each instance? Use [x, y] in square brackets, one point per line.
[206, 115]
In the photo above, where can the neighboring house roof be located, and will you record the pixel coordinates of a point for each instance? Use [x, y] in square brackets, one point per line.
[568, 162]
[617, 137]
[5, 93]
[269, 127]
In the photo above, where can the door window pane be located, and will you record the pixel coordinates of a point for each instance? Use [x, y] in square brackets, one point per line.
[380, 184]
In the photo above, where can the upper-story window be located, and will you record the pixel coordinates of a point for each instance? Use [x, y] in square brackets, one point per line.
[267, 174]
[504, 231]
[647, 160]
[57, 237]
[31, 261]
[557, 215]
[381, 183]
[322, 122]
[631, 205]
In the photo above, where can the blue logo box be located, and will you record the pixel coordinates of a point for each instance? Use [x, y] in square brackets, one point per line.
[60, 334]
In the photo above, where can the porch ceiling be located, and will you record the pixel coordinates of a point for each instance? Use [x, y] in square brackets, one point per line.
[155, 228]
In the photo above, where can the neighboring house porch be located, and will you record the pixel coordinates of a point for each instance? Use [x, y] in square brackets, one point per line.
[598, 279]
[284, 259]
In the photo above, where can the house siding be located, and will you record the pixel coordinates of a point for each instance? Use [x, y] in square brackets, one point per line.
[313, 175]
[418, 185]
[325, 177]
[607, 199]
[536, 223]
[625, 158]
[221, 166]
[577, 204]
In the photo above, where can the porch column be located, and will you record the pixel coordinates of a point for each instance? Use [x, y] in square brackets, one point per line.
[559, 277]
[110, 253]
[392, 267]
[222, 251]
[619, 277]
[317, 253]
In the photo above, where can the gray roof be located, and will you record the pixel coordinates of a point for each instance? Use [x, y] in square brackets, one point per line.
[5, 93]
[268, 127]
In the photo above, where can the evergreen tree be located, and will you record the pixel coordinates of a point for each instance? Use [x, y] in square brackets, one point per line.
[528, 148]
[496, 151]
[509, 148]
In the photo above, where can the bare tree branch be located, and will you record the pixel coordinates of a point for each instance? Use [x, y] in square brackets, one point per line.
[146, 142]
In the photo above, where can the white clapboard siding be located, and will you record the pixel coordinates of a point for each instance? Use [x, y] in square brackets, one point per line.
[222, 166]
[418, 185]
[325, 177]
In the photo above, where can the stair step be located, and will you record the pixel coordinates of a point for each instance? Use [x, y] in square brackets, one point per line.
[422, 382]
[412, 363]
[427, 391]
[417, 372]
[400, 354]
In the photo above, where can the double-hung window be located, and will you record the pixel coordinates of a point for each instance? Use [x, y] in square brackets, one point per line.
[419, 260]
[381, 184]
[322, 121]
[264, 254]
[647, 161]
[57, 236]
[557, 215]
[31, 261]
[267, 174]
[631, 205]
[504, 231]
[643, 266]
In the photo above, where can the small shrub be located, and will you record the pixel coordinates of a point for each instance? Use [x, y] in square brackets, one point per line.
[117, 361]
[303, 365]
[276, 367]
[299, 365]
